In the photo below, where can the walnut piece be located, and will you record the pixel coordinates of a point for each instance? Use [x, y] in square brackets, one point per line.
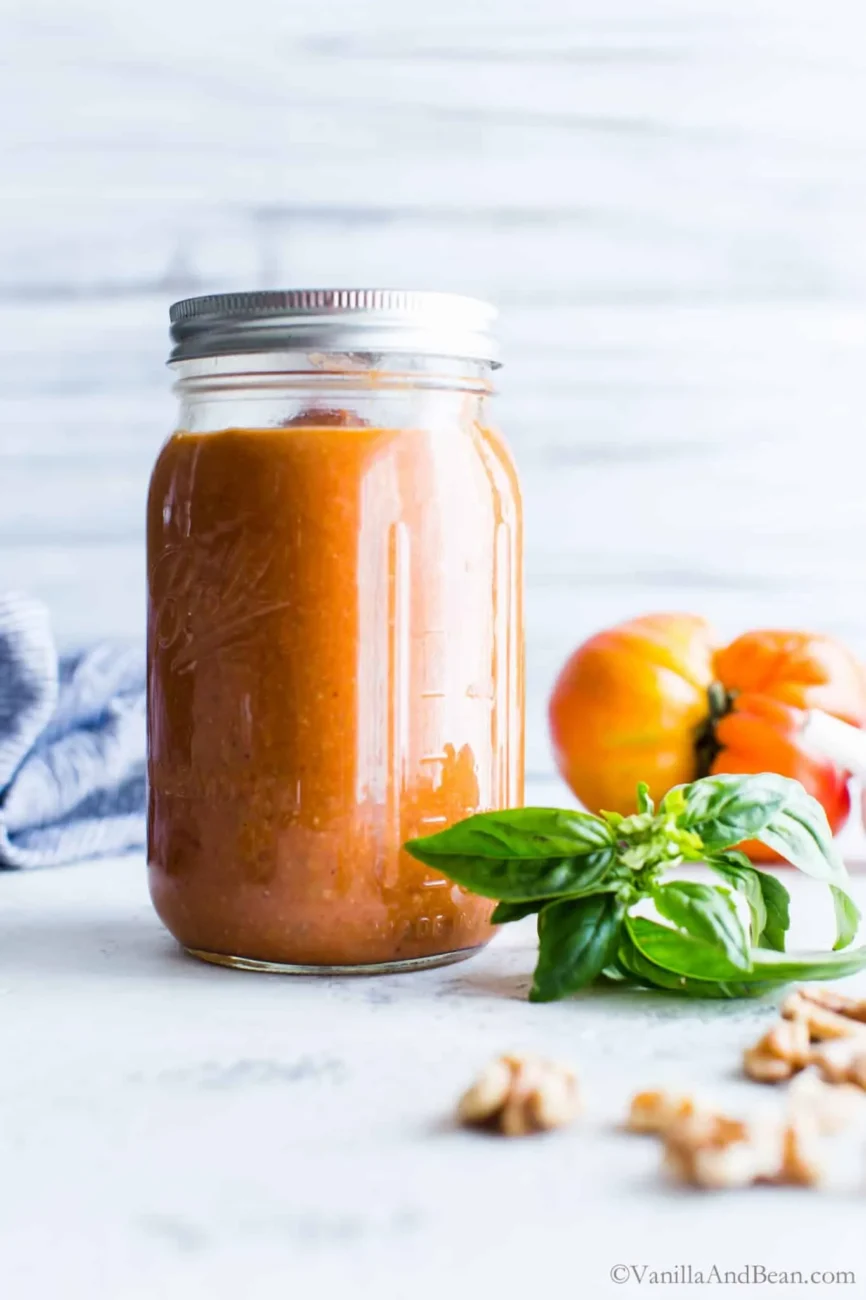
[517, 1095]
[832, 1107]
[655, 1111]
[783, 1050]
[823, 1021]
[841, 1061]
[716, 1151]
[800, 1165]
[857, 1071]
[812, 1016]
[830, 1000]
[763, 1068]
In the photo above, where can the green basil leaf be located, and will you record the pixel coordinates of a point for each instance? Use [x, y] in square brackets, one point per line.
[777, 901]
[520, 833]
[633, 963]
[726, 809]
[676, 952]
[645, 972]
[768, 899]
[801, 833]
[522, 855]
[516, 880]
[684, 954]
[644, 802]
[505, 912]
[847, 917]
[577, 939]
[674, 803]
[767, 964]
[738, 871]
[706, 913]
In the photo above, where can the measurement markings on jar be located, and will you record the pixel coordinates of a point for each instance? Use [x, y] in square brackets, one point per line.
[434, 758]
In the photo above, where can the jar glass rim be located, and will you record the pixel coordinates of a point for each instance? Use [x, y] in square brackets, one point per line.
[347, 372]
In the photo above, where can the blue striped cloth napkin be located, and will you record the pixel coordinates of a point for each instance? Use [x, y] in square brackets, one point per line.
[72, 744]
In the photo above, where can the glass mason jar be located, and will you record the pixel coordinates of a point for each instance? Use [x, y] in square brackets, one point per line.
[335, 641]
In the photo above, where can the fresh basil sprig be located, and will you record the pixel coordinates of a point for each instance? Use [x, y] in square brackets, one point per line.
[584, 875]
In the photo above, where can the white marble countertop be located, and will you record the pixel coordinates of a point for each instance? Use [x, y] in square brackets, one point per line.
[171, 1129]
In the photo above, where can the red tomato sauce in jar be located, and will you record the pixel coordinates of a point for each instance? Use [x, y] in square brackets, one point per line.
[335, 666]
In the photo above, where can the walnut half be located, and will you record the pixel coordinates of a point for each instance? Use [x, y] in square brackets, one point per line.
[518, 1095]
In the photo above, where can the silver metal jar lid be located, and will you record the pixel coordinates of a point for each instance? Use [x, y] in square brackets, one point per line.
[372, 321]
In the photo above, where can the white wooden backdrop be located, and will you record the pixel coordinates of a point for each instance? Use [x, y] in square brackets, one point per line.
[666, 198]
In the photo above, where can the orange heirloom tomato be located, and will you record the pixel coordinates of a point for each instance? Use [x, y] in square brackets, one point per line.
[656, 700]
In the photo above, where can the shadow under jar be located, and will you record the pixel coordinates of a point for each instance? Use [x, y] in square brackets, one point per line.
[335, 639]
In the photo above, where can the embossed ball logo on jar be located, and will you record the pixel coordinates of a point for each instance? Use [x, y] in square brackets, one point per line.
[206, 594]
